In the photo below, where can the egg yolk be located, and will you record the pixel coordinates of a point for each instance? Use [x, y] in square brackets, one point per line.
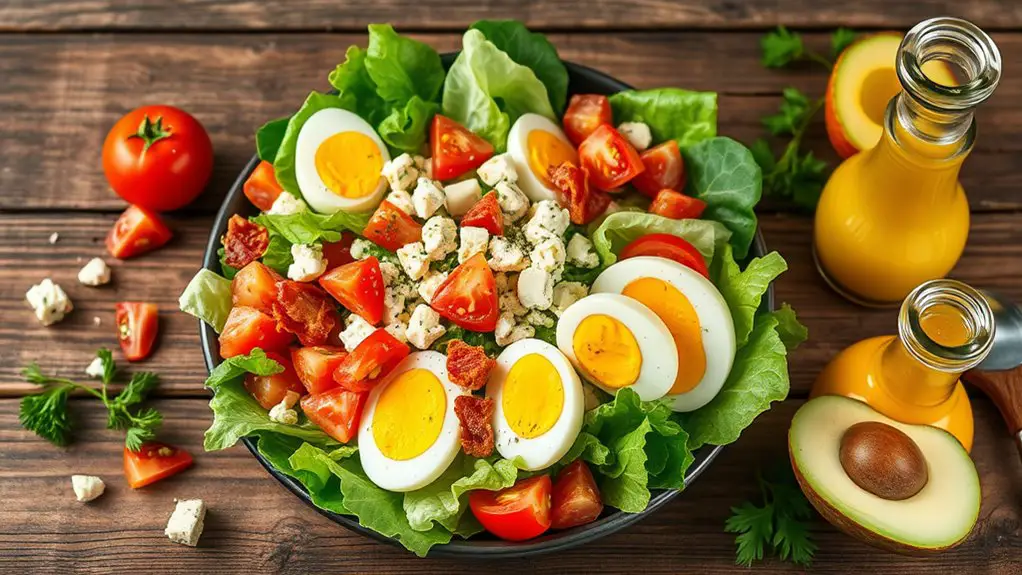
[681, 320]
[607, 352]
[546, 151]
[349, 164]
[533, 396]
[409, 414]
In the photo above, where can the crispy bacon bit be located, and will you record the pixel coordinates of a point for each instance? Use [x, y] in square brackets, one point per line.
[306, 311]
[468, 365]
[475, 414]
[584, 203]
[245, 242]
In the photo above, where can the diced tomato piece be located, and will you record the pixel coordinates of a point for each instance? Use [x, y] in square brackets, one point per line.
[337, 412]
[359, 287]
[609, 159]
[269, 390]
[245, 242]
[316, 365]
[248, 328]
[261, 188]
[136, 232]
[584, 203]
[456, 150]
[137, 326]
[669, 247]
[391, 228]
[485, 214]
[370, 361]
[338, 253]
[154, 461]
[676, 205]
[585, 113]
[255, 285]
[575, 499]
[468, 297]
[306, 311]
[517, 513]
[664, 169]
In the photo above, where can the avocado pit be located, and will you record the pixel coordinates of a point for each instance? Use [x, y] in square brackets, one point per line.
[883, 460]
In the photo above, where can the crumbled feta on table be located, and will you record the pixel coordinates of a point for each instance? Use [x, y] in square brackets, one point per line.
[506, 255]
[427, 198]
[439, 237]
[87, 487]
[356, 330]
[402, 200]
[424, 327]
[473, 241]
[401, 172]
[513, 202]
[94, 273]
[95, 368]
[535, 288]
[413, 259]
[286, 205]
[308, 262]
[565, 294]
[430, 282]
[637, 134]
[186, 522]
[549, 220]
[580, 252]
[54, 238]
[461, 196]
[508, 332]
[499, 168]
[49, 302]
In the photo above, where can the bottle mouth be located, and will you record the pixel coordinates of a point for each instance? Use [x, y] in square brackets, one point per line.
[948, 325]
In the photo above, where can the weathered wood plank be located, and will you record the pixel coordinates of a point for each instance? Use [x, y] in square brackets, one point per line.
[256, 526]
[61, 93]
[993, 259]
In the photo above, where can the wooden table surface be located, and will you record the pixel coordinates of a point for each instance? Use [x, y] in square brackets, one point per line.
[70, 68]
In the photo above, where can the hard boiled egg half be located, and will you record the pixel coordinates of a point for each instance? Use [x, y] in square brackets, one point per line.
[694, 312]
[538, 403]
[536, 144]
[338, 159]
[616, 342]
[409, 433]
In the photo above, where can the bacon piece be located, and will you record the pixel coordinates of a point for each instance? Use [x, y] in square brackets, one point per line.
[475, 414]
[468, 365]
[584, 203]
[306, 311]
[245, 242]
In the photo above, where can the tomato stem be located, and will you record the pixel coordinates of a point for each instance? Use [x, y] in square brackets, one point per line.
[151, 131]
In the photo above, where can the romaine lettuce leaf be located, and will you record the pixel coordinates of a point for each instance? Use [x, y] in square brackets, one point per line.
[744, 289]
[671, 113]
[402, 68]
[791, 331]
[620, 228]
[208, 298]
[405, 129]
[268, 139]
[232, 368]
[530, 49]
[445, 500]
[307, 227]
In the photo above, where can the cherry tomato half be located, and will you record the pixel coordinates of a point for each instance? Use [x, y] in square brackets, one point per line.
[137, 326]
[316, 365]
[248, 328]
[664, 169]
[392, 228]
[485, 214]
[676, 205]
[136, 232]
[358, 286]
[255, 285]
[585, 113]
[609, 158]
[669, 247]
[261, 188]
[154, 461]
[575, 499]
[456, 150]
[370, 361]
[517, 513]
[468, 297]
[269, 390]
[337, 412]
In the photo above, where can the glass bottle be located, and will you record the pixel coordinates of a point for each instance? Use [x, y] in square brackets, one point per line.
[945, 328]
[895, 216]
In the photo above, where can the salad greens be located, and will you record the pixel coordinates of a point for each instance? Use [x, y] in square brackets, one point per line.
[208, 298]
[684, 116]
[618, 230]
[269, 137]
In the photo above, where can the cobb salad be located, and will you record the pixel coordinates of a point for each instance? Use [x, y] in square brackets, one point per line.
[470, 303]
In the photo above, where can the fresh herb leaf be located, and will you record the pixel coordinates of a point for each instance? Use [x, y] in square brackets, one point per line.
[781, 47]
[794, 107]
[143, 428]
[46, 415]
[779, 524]
[794, 175]
[755, 526]
[140, 384]
[841, 39]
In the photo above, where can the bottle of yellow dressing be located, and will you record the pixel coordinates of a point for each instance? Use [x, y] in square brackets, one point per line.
[895, 215]
[945, 328]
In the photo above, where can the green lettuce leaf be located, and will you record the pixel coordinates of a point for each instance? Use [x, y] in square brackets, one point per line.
[284, 161]
[235, 367]
[317, 470]
[620, 228]
[356, 89]
[308, 227]
[278, 254]
[405, 128]
[402, 68]
[530, 49]
[671, 113]
[208, 298]
[743, 290]
[228, 271]
[792, 332]
[484, 340]
[445, 500]
[268, 138]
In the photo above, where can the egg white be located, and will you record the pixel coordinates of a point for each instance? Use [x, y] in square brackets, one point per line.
[518, 149]
[317, 128]
[545, 450]
[423, 469]
[714, 319]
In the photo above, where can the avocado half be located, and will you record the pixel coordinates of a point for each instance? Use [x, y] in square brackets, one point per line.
[940, 516]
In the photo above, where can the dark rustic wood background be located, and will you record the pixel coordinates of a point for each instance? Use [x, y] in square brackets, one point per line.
[70, 68]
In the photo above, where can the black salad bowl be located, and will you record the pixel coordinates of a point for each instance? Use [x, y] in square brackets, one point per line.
[582, 80]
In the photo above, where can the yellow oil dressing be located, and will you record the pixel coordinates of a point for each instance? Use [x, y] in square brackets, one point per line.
[409, 414]
[533, 396]
[607, 351]
[349, 164]
[548, 151]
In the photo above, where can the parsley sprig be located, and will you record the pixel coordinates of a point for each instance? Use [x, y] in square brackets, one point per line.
[47, 415]
[779, 525]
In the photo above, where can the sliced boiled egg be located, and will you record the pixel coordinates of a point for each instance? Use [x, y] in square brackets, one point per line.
[338, 159]
[538, 403]
[536, 144]
[694, 312]
[616, 342]
[409, 433]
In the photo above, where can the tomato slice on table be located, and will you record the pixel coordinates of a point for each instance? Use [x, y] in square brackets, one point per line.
[137, 326]
[585, 113]
[669, 247]
[584, 203]
[468, 297]
[261, 188]
[306, 311]
[485, 214]
[575, 499]
[391, 228]
[664, 169]
[336, 412]
[358, 286]
[456, 150]
[370, 362]
[338, 253]
[316, 365]
[676, 205]
[248, 328]
[269, 390]
[517, 513]
[154, 461]
[609, 158]
[136, 232]
[255, 285]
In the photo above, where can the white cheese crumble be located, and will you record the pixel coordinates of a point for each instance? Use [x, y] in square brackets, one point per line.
[473, 241]
[95, 369]
[565, 294]
[308, 262]
[401, 172]
[282, 412]
[397, 329]
[430, 282]
[508, 302]
[424, 327]
[580, 252]
[499, 168]
[548, 256]
[49, 302]
[535, 288]
[513, 202]
[360, 248]
[506, 255]
[390, 273]
[549, 220]
[425, 166]
[394, 302]
[402, 200]
[539, 319]
[439, 237]
[356, 330]
[185, 524]
[54, 238]
[508, 332]
[413, 259]
[637, 134]
[461, 196]
[286, 205]
[94, 273]
[87, 487]
[427, 198]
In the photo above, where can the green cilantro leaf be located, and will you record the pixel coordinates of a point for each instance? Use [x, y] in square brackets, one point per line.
[781, 47]
[755, 528]
[138, 387]
[779, 524]
[841, 39]
[794, 109]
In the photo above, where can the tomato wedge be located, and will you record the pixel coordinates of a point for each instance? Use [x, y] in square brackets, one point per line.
[468, 297]
[338, 253]
[255, 285]
[136, 232]
[676, 205]
[358, 286]
[370, 362]
[517, 513]
[391, 228]
[664, 169]
[456, 150]
[248, 328]
[585, 113]
[609, 158]
[669, 247]
[137, 326]
[269, 390]
[485, 214]
[337, 412]
[154, 461]
[261, 188]
[575, 499]
[584, 203]
[315, 366]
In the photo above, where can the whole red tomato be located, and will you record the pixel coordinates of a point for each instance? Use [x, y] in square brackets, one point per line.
[158, 157]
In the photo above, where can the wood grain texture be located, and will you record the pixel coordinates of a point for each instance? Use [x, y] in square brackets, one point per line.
[61, 93]
[255, 526]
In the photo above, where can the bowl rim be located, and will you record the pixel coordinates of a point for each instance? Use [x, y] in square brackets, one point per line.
[234, 203]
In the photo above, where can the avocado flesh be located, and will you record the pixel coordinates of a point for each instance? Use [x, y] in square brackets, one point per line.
[940, 516]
